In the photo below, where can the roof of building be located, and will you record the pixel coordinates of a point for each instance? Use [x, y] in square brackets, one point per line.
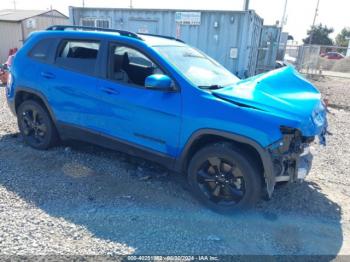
[87, 8]
[12, 15]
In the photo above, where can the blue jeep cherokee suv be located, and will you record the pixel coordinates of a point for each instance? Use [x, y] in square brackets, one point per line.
[158, 98]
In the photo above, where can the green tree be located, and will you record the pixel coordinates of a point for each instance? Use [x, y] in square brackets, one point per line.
[341, 40]
[319, 35]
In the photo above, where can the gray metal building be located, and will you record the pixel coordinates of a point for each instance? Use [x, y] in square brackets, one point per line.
[16, 25]
[268, 48]
[230, 37]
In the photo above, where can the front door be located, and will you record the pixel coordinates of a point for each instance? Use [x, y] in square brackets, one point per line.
[146, 118]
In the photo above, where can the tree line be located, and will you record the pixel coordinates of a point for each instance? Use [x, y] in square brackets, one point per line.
[319, 35]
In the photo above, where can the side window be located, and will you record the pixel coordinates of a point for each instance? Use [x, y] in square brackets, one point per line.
[80, 56]
[42, 49]
[130, 65]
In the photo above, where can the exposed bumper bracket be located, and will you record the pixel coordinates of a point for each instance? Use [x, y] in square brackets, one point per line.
[304, 164]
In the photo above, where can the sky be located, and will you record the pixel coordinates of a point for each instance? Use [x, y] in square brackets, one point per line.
[300, 13]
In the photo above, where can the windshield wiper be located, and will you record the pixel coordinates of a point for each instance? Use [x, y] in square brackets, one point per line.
[212, 87]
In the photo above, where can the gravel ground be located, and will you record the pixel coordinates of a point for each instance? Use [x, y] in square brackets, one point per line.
[80, 199]
[336, 90]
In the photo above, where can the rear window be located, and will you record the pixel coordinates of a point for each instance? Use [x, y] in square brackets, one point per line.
[41, 51]
[78, 56]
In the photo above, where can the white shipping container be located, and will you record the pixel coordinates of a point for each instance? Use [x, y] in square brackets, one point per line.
[230, 37]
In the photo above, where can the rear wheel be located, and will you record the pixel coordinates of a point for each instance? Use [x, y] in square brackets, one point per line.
[35, 125]
[223, 178]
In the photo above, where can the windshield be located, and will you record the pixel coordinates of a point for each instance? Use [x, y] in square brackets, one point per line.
[200, 69]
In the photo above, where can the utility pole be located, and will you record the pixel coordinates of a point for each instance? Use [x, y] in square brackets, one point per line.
[130, 4]
[313, 23]
[284, 18]
[246, 5]
[14, 4]
[83, 3]
[51, 14]
[348, 50]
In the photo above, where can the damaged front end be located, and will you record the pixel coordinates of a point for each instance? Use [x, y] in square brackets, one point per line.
[291, 156]
[289, 110]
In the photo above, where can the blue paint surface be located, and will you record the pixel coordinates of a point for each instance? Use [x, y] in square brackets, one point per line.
[254, 108]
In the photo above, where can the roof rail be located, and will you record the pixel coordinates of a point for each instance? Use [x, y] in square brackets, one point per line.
[163, 36]
[90, 28]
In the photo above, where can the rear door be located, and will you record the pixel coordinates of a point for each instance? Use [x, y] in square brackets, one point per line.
[146, 118]
[71, 83]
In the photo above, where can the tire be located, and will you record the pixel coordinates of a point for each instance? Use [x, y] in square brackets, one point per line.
[232, 170]
[36, 126]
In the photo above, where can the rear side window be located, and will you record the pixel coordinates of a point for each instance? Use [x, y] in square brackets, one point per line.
[80, 56]
[41, 51]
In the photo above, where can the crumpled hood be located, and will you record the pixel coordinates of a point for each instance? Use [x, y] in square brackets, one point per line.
[284, 93]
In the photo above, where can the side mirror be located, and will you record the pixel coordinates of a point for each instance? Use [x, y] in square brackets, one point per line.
[159, 82]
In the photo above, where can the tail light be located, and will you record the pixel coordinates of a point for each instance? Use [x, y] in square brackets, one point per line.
[9, 84]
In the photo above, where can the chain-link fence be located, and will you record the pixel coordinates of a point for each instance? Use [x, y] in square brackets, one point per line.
[319, 60]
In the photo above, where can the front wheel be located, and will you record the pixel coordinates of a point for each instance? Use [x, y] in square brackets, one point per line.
[224, 178]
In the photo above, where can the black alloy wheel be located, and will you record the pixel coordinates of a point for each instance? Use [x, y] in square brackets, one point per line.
[225, 178]
[36, 125]
[221, 181]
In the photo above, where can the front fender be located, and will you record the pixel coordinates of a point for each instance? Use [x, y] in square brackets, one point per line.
[180, 163]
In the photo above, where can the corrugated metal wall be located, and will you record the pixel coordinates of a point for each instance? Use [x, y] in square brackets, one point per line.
[269, 47]
[11, 35]
[43, 21]
[219, 33]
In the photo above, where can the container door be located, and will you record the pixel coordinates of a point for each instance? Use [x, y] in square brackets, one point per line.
[143, 26]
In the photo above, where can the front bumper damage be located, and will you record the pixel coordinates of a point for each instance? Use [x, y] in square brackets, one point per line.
[304, 164]
[295, 168]
[291, 156]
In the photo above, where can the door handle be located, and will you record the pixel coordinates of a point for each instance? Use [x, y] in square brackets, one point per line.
[110, 91]
[48, 75]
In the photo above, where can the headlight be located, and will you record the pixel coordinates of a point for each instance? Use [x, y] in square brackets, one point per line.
[319, 115]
